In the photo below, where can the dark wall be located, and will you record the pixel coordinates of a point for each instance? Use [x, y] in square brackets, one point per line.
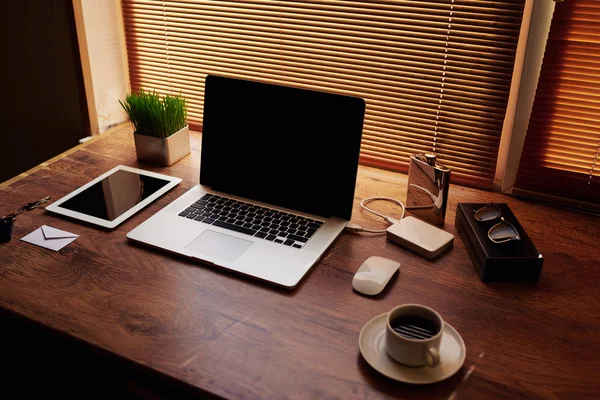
[43, 110]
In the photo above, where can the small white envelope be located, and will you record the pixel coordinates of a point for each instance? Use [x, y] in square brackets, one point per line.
[50, 238]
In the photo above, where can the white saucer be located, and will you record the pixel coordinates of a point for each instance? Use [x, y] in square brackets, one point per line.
[372, 341]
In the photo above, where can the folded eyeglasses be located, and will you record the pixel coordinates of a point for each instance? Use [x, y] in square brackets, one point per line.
[501, 232]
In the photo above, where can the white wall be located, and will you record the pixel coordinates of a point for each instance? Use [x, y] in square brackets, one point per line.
[104, 37]
[523, 90]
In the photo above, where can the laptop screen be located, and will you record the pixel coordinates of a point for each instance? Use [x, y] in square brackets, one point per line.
[289, 147]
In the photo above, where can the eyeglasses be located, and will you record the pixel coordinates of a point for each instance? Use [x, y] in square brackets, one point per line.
[503, 231]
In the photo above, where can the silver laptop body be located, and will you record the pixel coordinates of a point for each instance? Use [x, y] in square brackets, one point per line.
[263, 208]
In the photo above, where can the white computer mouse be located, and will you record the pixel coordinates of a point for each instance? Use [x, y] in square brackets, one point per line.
[372, 276]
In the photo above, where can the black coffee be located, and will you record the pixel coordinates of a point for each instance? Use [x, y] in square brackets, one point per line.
[414, 327]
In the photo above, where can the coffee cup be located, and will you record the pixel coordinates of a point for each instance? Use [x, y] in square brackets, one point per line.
[413, 335]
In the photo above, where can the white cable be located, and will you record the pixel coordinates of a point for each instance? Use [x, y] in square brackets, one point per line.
[355, 228]
[388, 219]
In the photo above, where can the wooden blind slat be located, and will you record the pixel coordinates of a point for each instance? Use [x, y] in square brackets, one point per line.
[219, 39]
[435, 75]
[403, 88]
[479, 78]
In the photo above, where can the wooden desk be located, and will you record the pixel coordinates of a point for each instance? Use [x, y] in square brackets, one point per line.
[237, 338]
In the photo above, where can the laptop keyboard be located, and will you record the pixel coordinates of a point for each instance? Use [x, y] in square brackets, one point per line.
[261, 222]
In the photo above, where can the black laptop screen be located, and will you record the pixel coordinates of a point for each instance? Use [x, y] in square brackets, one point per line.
[285, 146]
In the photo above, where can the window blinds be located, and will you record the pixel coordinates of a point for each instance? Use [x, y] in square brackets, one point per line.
[560, 156]
[435, 74]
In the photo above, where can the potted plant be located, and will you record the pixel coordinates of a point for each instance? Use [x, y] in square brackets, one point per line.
[161, 132]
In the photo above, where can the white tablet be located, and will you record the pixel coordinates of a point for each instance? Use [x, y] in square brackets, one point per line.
[114, 196]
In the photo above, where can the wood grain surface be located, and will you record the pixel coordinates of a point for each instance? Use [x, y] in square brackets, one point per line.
[238, 338]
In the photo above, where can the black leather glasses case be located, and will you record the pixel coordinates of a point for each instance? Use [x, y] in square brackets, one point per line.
[510, 261]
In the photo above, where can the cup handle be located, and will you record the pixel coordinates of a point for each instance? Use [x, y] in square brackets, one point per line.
[432, 357]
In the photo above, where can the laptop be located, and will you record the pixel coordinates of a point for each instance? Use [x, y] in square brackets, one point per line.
[278, 170]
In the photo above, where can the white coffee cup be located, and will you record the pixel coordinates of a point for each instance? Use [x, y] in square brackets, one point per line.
[414, 352]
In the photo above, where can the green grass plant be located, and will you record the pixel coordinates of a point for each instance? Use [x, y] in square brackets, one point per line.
[153, 115]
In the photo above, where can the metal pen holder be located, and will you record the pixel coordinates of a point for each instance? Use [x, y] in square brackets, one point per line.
[427, 192]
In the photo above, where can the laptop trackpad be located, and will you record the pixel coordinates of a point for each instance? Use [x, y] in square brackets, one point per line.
[218, 245]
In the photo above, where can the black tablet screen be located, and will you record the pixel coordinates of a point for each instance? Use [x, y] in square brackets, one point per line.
[114, 195]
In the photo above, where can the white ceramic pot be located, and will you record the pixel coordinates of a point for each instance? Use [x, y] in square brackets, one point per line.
[163, 151]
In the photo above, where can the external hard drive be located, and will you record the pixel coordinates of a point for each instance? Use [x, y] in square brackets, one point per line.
[420, 237]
